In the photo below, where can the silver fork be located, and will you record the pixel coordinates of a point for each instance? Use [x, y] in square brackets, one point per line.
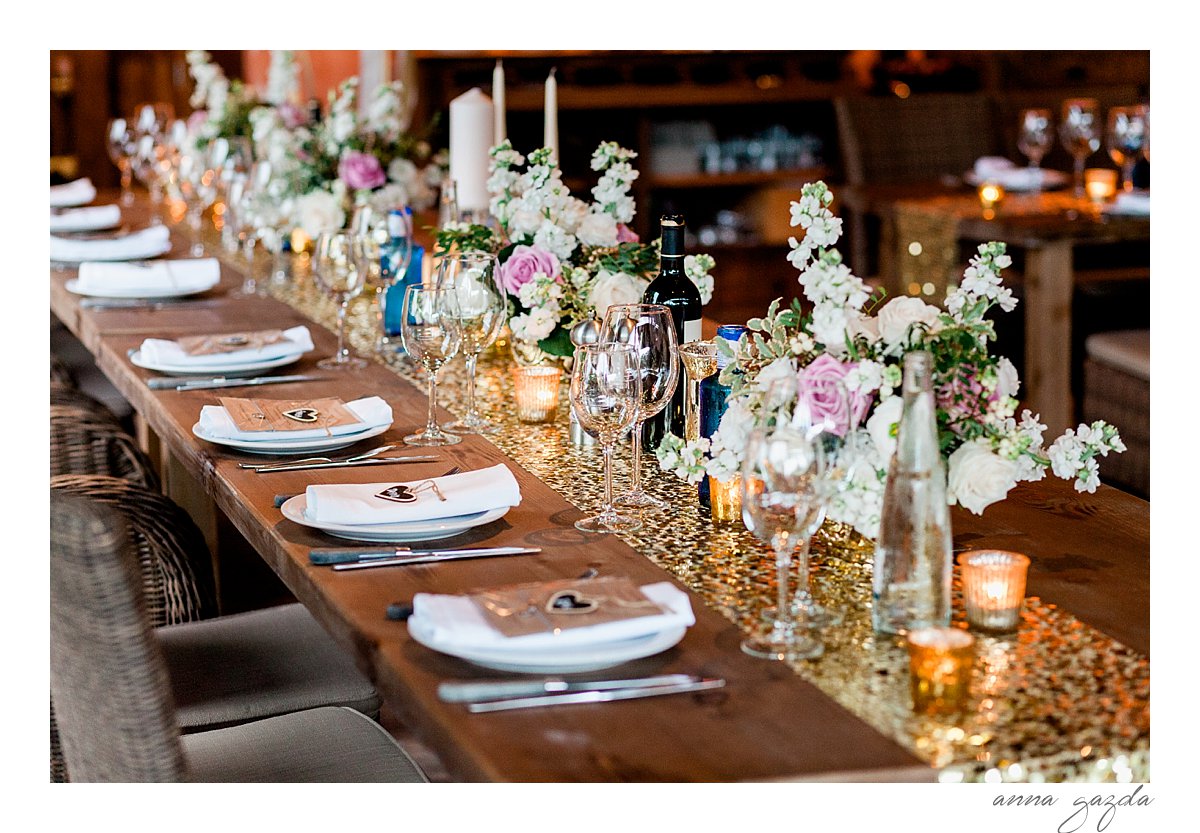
[364, 456]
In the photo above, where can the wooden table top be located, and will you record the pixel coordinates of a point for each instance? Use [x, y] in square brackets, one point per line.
[768, 723]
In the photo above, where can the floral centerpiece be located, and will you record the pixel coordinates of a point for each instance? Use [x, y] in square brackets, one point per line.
[847, 334]
[563, 260]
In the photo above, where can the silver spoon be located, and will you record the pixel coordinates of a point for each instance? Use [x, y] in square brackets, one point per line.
[364, 456]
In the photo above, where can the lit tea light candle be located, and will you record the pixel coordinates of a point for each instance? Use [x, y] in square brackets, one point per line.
[940, 661]
[725, 499]
[537, 392]
[990, 195]
[1100, 184]
[993, 588]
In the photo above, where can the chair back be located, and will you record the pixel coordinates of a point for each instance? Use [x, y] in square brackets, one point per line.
[108, 681]
[91, 441]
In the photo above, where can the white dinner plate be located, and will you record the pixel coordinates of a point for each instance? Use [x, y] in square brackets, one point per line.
[294, 509]
[144, 292]
[1017, 184]
[160, 248]
[239, 369]
[568, 660]
[292, 446]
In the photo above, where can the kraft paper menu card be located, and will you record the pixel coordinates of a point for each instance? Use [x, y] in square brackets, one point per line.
[287, 414]
[563, 605]
[229, 342]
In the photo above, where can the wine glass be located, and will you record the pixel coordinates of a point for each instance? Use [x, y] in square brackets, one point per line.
[229, 156]
[335, 272]
[1080, 134]
[197, 183]
[482, 307]
[781, 506]
[650, 331]
[384, 248]
[431, 334]
[605, 392]
[1126, 138]
[448, 203]
[147, 167]
[699, 362]
[122, 144]
[1034, 137]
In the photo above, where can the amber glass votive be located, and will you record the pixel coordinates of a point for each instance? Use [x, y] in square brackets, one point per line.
[990, 195]
[725, 499]
[993, 583]
[1100, 184]
[537, 392]
[940, 661]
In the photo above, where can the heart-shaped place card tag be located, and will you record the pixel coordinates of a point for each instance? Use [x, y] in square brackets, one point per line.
[570, 601]
[397, 494]
[302, 414]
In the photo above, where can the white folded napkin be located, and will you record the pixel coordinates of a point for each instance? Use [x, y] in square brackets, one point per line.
[182, 276]
[1132, 202]
[149, 242]
[1006, 173]
[472, 491]
[373, 411]
[86, 219]
[456, 621]
[161, 351]
[79, 192]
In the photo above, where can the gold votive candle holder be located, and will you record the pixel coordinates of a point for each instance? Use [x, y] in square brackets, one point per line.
[537, 392]
[1100, 184]
[940, 661]
[725, 499]
[993, 583]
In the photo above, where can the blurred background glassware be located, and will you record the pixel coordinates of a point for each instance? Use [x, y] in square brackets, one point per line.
[474, 277]
[333, 267]
[650, 330]
[699, 362]
[605, 395]
[197, 183]
[229, 156]
[1126, 138]
[1079, 131]
[147, 167]
[448, 203]
[431, 334]
[1035, 136]
[121, 144]
[248, 211]
[383, 248]
[237, 227]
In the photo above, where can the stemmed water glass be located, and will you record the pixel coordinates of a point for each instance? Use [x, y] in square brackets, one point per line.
[147, 167]
[482, 308]
[197, 182]
[1080, 134]
[605, 395]
[431, 336]
[335, 272]
[383, 248]
[650, 331]
[122, 144]
[1034, 137]
[1126, 138]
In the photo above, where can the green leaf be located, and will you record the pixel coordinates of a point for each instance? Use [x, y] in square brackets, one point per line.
[558, 343]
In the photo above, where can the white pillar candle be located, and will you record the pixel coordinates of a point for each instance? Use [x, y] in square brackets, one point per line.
[550, 136]
[500, 133]
[471, 125]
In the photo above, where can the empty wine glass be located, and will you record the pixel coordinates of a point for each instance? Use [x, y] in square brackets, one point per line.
[335, 272]
[429, 325]
[605, 392]
[147, 167]
[122, 144]
[384, 246]
[650, 330]
[197, 183]
[1080, 134]
[1126, 138]
[1034, 137]
[482, 308]
[781, 506]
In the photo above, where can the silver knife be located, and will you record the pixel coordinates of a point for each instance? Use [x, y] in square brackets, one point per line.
[433, 556]
[477, 691]
[165, 382]
[346, 464]
[222, 382]
[593, 696]
[141, 303]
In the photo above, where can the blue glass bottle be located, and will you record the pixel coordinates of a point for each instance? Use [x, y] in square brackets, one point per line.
[393, 304]
[714, 396]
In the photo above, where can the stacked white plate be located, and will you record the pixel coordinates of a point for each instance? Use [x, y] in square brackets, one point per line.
[169, 358]
[215, 426]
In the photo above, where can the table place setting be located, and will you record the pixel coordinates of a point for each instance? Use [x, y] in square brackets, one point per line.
[556, 627]
[71, 194]
[229, 354]
[1007, 174]
[145, 280]
[1129, 203]
[89, 218]
[146, 243]
[266, 426]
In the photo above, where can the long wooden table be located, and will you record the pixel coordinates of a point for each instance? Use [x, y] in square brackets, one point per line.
[1090, 555]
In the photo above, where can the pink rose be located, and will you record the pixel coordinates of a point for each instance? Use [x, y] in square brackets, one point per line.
[822, 392]
[292, 115]
[627, 235]
[523, 264]
[361, 170]
[196, 120]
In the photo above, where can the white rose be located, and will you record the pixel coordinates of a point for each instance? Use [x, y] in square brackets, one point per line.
[615, 288]
[319, 211]
[882, 427]
[1007, 380]
[866, 326]
[598, 230]
[523, 221]
[402, 170]
[899, 314]
[978, 478]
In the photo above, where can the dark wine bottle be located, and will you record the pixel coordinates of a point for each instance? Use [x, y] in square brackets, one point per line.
[675, 290]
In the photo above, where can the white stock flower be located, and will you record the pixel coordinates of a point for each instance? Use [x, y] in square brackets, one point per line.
[829, 328]
[865, 377]
[977, 477]
[898, 314]
[781, 368]
[882, 424]
[598, 229]
[1007, 380]
[319, 211]
[554, 239]
[533, 326]
[615, 288]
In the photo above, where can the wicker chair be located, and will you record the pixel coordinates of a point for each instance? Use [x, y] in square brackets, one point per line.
[60, 374]
[1117, 390]
[112, 690]
[86, 440]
